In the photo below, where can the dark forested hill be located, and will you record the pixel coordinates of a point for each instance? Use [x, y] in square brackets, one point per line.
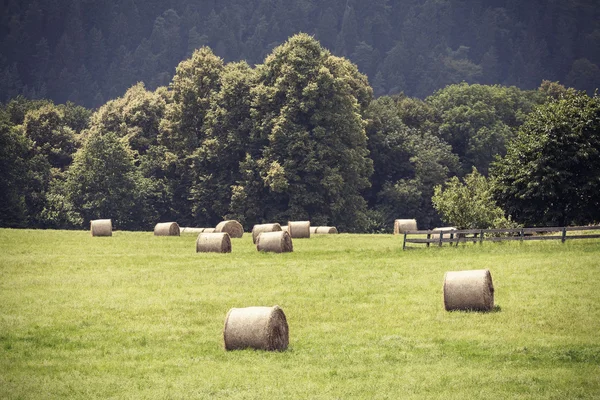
[90, 51]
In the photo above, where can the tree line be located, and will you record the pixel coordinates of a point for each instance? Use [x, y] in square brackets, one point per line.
[300, 136]
[88, 52]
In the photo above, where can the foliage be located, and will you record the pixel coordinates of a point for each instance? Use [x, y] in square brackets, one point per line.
[550, 174]
[103, 182]
[469, 204]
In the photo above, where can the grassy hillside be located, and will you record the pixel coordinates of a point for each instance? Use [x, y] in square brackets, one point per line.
[138, 316]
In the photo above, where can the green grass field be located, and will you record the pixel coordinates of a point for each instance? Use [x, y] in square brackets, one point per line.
[137, 316]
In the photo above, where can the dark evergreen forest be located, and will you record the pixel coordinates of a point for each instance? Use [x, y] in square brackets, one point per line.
[91, 51]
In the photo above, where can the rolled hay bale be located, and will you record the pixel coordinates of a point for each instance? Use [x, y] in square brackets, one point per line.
[321, 230]
[209, 230]
[101, 227]
[213, 243]
[313, 229]
[261, 328]
[274, 242]
[284, 228]
[468, 290]
[187, 229]
[166, 229]
[444, 229]
[299, 229]
[403, 225]
[232, 227]
[260, 228]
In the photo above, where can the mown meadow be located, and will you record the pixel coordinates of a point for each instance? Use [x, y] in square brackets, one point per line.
[136, 316]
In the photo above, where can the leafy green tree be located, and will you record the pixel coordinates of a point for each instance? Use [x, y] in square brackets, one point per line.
[103, 182]
[469, 204]
[308, 113]
[550, 174]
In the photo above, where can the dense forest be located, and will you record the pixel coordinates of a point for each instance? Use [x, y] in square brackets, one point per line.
[91, 51]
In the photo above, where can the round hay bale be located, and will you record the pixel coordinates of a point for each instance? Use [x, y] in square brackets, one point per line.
[325, 230]
[101, 227]
[275, 242]
[209, 230]
[258, 229]
[299, 229]
[284, 228]
[403, 225]
[234, 228]
[261, 328]
[213, 243]
[191, 230]
[468, 290]
[313, 229]
[444, 229]
[166, 229]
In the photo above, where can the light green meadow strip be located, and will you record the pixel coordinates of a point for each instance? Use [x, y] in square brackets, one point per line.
[137, 316]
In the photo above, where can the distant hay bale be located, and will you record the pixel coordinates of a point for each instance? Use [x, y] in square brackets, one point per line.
[258, 229]
[234, 228]
[275, 242]
[313, 229]
[320, 230]
[101, 227]
[468, 290]
[299, 229]
[261, 328]
[187, 229]
[209, 230]
[213, 243]
[166, 229]
[444, 229]
[284, 228]
[403, 225]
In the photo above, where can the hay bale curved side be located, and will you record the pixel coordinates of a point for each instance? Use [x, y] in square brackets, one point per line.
[232, 227]
[166, 229]
[188, 229]
[275, 242]
[468, 290]
[403, 225]
[299, 229]
[260, 228]
[322, 230]
[262, 328]
[213, 243]
[101, 227]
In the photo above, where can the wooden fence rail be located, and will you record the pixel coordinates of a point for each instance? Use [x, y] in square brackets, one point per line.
[496, 235]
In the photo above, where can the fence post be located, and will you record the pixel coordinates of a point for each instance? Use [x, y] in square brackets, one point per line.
[564, 234]
[481, 237]
[441, 237]
[428, 237]
[522, 233]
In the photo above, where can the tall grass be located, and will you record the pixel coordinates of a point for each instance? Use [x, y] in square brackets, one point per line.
[138, 316]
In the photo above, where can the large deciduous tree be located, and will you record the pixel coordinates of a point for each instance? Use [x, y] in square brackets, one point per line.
[551, 174]
[308, 112]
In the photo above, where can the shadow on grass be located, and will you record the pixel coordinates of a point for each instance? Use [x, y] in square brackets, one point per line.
[497, 308]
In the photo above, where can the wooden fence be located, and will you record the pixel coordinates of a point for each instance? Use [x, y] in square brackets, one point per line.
[496, 235]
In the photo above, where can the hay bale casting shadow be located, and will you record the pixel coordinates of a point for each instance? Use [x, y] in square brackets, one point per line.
[166, 229]
[261, 328]
[234, 228]
[258, 229]
[299, 229]
[325, 230]
[403, 225]
[468, 290]
[275, 242]
[213, 243]
[101, 227]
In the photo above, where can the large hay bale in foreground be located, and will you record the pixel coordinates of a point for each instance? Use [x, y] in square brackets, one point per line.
[324, 230]
[101, 227]
[166, 229]
[403, 225]
[213, 243]
[275, 242]
[468, 290]
[262, 328]
[299, 229]
[232, 227]
[260, 228]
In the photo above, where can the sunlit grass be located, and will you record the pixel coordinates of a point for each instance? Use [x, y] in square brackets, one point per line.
[138, 316]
